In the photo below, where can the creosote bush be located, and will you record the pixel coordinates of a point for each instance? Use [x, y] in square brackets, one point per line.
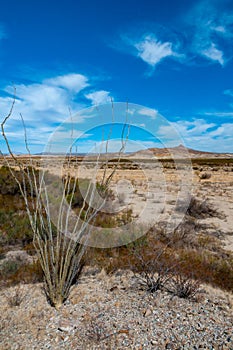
[183, 286]
[157, 258]
[197, 208]
[151, 265]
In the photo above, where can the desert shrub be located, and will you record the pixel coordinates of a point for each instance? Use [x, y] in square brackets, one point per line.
[153, 267]
[29, 248]
[197, 255]
[126, 216]
[205, 176]
[196, 208]
[16, 297]
[7, 182]
[105, 220]
[158, 266]
[14, 226]
[9, 268]
[183, 286]
[206, 241]
[208, 267]
[8, 185]
[2, 253]
[14, 273]
[74, 189]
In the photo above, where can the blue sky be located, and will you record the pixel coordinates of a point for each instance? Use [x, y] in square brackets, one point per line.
[174, 57]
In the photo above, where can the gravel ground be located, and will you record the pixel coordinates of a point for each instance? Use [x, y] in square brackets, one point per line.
[113, 312]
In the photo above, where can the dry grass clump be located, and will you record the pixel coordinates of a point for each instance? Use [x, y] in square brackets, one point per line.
[16, 297]
[183, 257]
[13, 272]
[183, 286]
[209, 267]
[196, 208]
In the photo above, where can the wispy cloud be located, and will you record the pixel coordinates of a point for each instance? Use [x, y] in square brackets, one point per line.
[153, 51]
[152, 48]
[152, 113]
[213, 54]
[202, 135]
[53, 96]
[44, 105]
[210, 29]
[99, 97]
[219, 114]
[49, 100]
[73, 82]
[205, 36]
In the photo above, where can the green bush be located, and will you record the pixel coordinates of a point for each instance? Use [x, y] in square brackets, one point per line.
[14, 227]
[15, 272]
[9, 268]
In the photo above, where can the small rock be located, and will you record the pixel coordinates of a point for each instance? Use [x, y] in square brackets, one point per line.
[147, 313]
[113, 288]
[65, 329]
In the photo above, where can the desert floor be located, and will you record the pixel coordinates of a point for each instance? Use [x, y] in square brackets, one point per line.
[114, 311]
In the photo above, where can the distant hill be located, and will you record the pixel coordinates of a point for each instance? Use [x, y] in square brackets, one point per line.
[163, 153]
[178, 151]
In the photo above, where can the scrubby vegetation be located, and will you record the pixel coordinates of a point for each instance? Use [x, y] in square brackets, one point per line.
[176, 262]
[188, 257]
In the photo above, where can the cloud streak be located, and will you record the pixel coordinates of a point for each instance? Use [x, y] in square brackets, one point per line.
[44, 105]
[152, 113]
[72, 82]
[213, 54]
[199, 134]
[204, 37]
[153, 51]
[211, 31]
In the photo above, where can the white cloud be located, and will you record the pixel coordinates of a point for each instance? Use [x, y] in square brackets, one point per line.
[152, 113]
[213, 54]
[195, 127]
[219, 114]
[206, 33]
[42, 105]
[152, 51]
[46, 101]
[41, 97]
[201, 135]
[211, 31]
[219, 29]
[72, 81]
[99, 97]
[45, 105]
